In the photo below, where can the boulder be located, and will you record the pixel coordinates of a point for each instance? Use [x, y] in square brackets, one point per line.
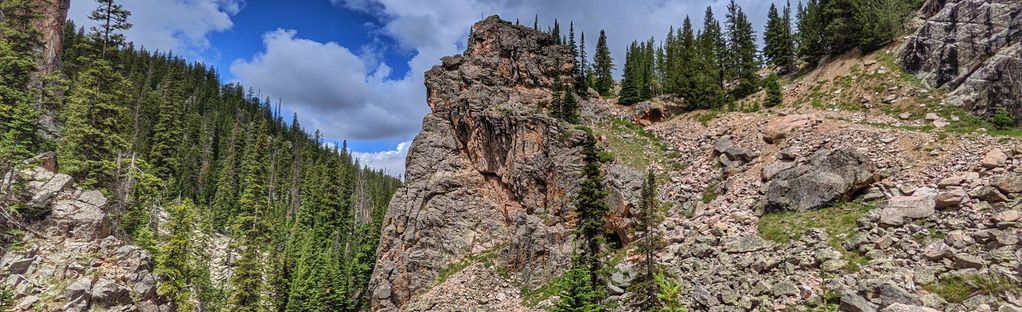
[830, 175]
[966, 178]
[45, 185]
[988, 194]
[852, 302]
[108, 293]
[1010, 215]
[771, 170]
[731, 154]
[994, 158]
[903, 208]
[780, 128]
[623, 187]
[949, 199]
[900, 307]
[1010, 183]
[936, 250]
[967, 261]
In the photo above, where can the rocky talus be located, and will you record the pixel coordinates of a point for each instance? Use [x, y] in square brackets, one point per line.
[70, 261]
[489, 179]
[974, 49]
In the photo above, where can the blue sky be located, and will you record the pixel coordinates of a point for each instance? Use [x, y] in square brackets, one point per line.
[353, 68]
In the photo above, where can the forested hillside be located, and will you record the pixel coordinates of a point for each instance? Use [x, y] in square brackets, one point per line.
[193, 166]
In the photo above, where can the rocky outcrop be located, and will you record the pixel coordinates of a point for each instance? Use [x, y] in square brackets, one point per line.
[490, 173]
[51, 29]
[830, 175]
[70, 261]
[974, 49]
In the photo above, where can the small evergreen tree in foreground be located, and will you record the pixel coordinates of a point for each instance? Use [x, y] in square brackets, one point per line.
[591, 208]
[774, 94]
[578, 293]
[648, 244]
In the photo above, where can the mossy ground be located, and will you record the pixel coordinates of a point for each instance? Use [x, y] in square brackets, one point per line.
[631, 145]
[956, 289]
[839, 221]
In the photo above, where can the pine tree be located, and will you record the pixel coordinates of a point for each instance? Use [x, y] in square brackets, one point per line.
[811, 44]
[556, 32]
[18, 41]
[603, 65]
[113, 19]
[648, 244]
[92, 139]
[630, 84]
[591, 208]
[841, 31]
[169, 130]
[175, 262]
[774, 93]
[247, 278]
[581, 68]
[714, 47]
[577, 291]
[225, 197]
[742, 61]
[773, 37]
[879, 21]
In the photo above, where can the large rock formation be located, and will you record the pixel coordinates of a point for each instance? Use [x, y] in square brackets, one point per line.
[490, 173]
[974, 49]
[830, 175]
[51, 28]
[70, 261]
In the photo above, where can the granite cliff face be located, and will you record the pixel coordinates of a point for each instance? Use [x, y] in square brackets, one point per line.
[974, 49]
[490, 175]
[51, 28]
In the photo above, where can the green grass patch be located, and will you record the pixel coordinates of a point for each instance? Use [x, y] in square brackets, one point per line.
[838, 220]
[956, 289]
[710, 193]
[532, 297]
[457, 266]
[707, 116]
[631, 145]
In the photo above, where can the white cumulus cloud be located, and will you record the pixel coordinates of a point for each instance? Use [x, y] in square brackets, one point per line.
[182, 26]
[392, 162]
[344, 94]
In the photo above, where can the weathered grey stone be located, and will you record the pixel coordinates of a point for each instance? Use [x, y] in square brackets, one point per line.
[831, 175]
[854, 303]
[1010, 215]
[936, 251]
[899, 307]
[108, 293]
[967, 261]
[949, 198]
[959, 179]
[769, 171]
[1010, 183]
[988, 194]
[732, 154]
[903, 208]
[892, 294]
[747, 243]
[982, 74]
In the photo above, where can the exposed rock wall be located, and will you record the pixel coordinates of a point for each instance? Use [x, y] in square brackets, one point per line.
[489, 173]
[51, 27]
[974, 49]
